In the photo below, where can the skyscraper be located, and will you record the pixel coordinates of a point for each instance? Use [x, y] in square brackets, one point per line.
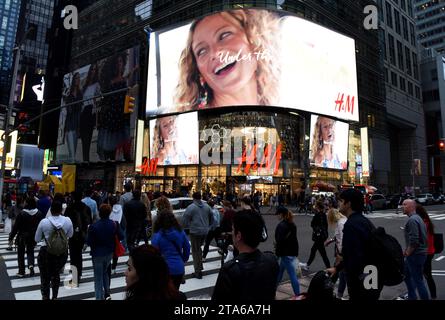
[430, 17]
[9, 17]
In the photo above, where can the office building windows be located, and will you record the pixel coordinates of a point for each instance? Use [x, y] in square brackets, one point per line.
[394, 79]
[388, 14]
[392, 51]
[400, 55]
[402, 83]
[405, 28]
[397, 20]
[408, 61]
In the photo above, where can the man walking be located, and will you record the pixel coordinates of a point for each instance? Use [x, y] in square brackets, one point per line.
[252, 275]
[356, 236]
[51, 264]
[416, 251]
[198, 217]
[135, 214]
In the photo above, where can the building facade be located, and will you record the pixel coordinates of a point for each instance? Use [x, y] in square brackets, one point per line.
[430, 23]
[406, 128]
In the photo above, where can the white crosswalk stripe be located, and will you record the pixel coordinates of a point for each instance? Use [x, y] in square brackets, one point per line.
[434, 215]
[28, 288]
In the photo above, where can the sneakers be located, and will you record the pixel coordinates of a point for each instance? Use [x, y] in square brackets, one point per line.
[198, 275]
[304, 266]
[20, 275]
[402, 297]
[108, 298]
[31, 271]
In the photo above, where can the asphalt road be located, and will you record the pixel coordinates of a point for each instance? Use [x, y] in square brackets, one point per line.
[385, 218]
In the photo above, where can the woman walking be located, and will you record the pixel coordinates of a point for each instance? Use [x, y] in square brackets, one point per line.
[319, 226]
[286, 247]
[421, 211]
[172, 243]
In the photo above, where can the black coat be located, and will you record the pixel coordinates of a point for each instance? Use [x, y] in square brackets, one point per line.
[25, 225]
[319, 226]
[248, 277]
[286, 242]
[80, 215]
[135, 214]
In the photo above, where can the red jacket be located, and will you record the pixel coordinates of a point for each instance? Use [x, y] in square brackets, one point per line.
[430, 238]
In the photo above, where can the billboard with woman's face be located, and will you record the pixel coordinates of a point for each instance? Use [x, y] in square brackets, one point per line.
[252, 57]
[93, 127]
[329, 143]
[174, 139]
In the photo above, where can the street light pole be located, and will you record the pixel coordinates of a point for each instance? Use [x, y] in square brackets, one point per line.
[8, 117]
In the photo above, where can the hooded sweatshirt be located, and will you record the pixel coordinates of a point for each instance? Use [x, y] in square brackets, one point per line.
[47, 225]
[174, 247]
[198, 217]
[26, 223]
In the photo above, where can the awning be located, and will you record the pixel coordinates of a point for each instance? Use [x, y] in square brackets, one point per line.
[53, 179]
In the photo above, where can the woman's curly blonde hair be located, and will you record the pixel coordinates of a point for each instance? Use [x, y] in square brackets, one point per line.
[262, 29]
[317, 138]
[158, 141]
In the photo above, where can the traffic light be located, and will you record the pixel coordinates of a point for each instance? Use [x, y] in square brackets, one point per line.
[129, 104]
[441, 145]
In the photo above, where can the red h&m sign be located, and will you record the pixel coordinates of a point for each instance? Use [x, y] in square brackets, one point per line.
[342, 105]
[267, 160]
[149, 167]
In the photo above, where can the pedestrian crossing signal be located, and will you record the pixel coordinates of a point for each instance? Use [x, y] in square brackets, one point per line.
[129, 104]
[441, 145]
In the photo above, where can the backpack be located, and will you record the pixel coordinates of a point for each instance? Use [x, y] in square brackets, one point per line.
[387, 255]
[57, 243]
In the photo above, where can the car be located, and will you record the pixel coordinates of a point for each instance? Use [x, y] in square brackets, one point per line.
[392, 201]
[425, 199]
[178, 204]
[438, 198]
[378, 201]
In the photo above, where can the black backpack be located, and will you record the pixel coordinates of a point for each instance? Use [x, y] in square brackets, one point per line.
[387, 255]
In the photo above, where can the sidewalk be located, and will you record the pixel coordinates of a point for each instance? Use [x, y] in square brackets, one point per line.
[285, 292]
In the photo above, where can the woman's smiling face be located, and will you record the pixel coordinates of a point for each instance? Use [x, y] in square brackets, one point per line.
[215, 37]
[327, 129]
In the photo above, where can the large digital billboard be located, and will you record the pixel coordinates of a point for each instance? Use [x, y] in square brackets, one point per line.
[329, 143]
[174, 140]
[252, 57]
[96, 128]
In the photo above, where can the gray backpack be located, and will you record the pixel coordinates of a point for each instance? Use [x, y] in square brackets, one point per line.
[57, 243]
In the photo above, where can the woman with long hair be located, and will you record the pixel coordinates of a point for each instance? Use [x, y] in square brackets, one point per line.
[337, 220]
[172, 243]
[213, 72]
[72, 120]
[88, 112]
[427, 268]
[322, 148]
[319, 226]
[286, 247]
[147, 276]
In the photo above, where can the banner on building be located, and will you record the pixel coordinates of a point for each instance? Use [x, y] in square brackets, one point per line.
[69, 178]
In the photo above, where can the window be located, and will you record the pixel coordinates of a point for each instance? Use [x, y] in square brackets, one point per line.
[410, 9]
[405, 28]
[413, 35]
[388, 15]
[417, 92]
[403, 4]
[394, 79]
[415, 67]
[380, 9]
[400, 55]
[397, 20]
[392, 51]
[383, 42]
[408, 61]
[385, 74]
[402, 83]
[410, 88]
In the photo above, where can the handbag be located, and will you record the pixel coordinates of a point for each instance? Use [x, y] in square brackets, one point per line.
[438, 242]
[119, 249]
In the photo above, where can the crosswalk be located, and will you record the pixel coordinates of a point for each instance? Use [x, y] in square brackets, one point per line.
[434, 215]
[28, 288]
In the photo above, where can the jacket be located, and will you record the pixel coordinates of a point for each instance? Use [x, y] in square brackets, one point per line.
[80, 215]
[319, 224]
[248, 277]
[135, 214]
[168, 242]
[46, 227]
[26, 224]
[415, 234]
[198, 217]
[286, 242]
[118, 216]
[101, 236]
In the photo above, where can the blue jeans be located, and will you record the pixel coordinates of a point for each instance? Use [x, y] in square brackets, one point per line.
[414, 276]
[101, 278]
[289, 263]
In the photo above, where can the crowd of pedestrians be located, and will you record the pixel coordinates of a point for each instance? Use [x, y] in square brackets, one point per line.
[63, 225]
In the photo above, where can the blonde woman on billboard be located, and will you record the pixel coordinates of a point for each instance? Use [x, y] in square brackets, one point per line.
[323, 145]
[231, 58]
[165, 147]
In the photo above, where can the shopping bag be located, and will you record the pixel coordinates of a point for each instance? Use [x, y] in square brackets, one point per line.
[119, 249]
[8, 225]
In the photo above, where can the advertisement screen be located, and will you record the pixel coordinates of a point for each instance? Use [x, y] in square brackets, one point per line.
[252, 57]
[174, 140]
[96, 128]
[329, 143]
